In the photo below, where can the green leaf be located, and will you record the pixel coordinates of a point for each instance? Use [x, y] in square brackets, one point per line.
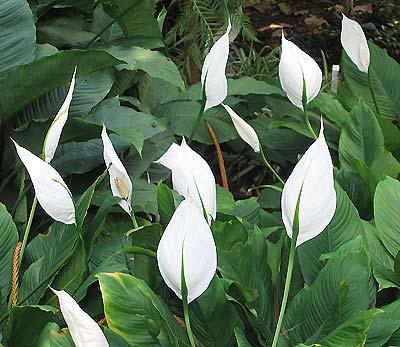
[134, 312]
[8, 240]
[340, 291]
[361, 136]
[241, 338]
[139, 27]
[352, 332]
[52, 336]
[385, 78]
[213, 317]
[165, 202]
[386, 211]
[331, 108]
[25, 324]
[18, 34]
[344, 227]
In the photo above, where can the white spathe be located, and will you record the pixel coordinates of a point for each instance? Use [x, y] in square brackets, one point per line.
[313, 175]
[120, 182]
[50, 189]
[191, 175]
[244, 129]
[187, 237]
[54, 132]
[296, 69]
[355, 43]
[213, 71]
[84, 331]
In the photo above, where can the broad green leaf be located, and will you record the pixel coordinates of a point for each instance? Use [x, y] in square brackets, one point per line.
[25, 324]
[213, 317]
[392, 312]
[383, 326]
[344, 227]
[361, 137]
[386, 211]
[340, 290]
[165, 202]
[384, 75]
[138, 27]
[135, 313]
[8, 241]
[331, 108]
[241, 338]
[53, 336]
[18, 34]
[352, 332]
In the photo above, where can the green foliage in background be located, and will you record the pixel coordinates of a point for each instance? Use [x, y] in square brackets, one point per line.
[346, 281]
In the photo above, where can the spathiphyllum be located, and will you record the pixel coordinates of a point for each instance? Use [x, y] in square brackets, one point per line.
[300, 75]
[355, 43]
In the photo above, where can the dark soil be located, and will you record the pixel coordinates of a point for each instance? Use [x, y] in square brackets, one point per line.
[315, 25]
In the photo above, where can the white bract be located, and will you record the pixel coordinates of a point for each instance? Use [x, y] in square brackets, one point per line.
[355, 43]
[244, 129]
[187, 238]
[313, 176]
[296, 70]
[213, 77]
[54, 133]
[120, 182]
[191, 175]
[84, 331]
[50, 189]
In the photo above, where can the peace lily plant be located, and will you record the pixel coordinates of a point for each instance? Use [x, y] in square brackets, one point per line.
[308, 204]
[300, 77]
[50, 189]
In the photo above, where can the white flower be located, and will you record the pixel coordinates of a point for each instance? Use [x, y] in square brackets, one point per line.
[54, 133]
[83, 329]
[213, 72]
[191, 175]
[50, 189]
[187, 237]
[313, 176]
[296, 69]
[120, 182]
[244, 129]
[355, 43]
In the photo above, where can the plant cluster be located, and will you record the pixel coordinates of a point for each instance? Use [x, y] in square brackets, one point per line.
[113, 231]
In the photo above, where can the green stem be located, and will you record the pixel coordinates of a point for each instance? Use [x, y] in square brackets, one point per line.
[308, 121]
[27, 229]
[372, 93]
[286, 291]
[134, 221]
[185, 304]
[199, 116]
[187, 321]
[138, 250]
[269, 167]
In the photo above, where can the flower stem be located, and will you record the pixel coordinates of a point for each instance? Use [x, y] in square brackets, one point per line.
[187, 321]
[308, 122]
[184, 292]
[286, 291]
[134, 221]
[269, 167]
[27, 229]
[199, 117]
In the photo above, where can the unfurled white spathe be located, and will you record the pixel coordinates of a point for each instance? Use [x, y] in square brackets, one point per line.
[50, 189]
[245, 130]
[313, 175]
[191, 175]
[297, 68]
[84, 331]
[187, 232]
[213, 77]
[120, 182]
[54, 132]
[355, 43]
